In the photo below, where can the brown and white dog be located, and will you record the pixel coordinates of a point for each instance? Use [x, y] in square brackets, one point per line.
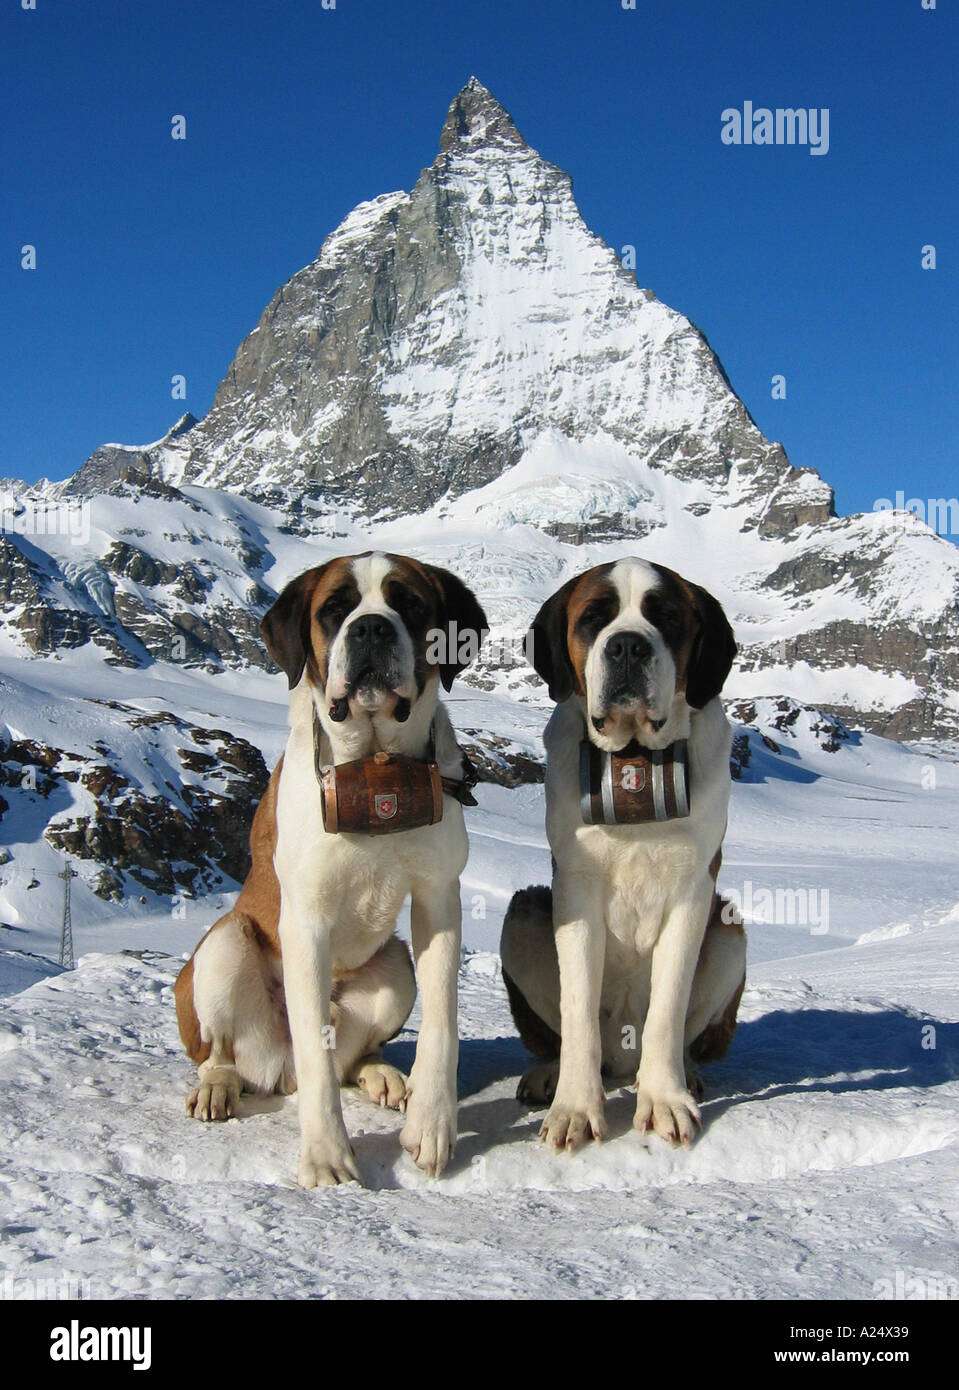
[303, 981]
[629, 969]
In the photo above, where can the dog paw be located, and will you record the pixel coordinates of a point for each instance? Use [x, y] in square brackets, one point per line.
[538, 1085]
[328, 1162]
[382, 1084]
[569, 1126]
[216, 1097]
[673, 1115]
[429, 1135]
[694, 1084]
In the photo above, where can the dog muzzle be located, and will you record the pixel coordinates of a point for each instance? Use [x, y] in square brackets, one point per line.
[634, 786]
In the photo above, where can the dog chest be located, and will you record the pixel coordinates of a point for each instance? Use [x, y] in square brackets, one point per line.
[640, 884]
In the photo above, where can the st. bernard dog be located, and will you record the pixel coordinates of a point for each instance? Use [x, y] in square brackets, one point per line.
[631, 968]
[299, 986]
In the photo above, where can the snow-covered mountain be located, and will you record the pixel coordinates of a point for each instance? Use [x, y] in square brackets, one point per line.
[442, 333]
[466, 373]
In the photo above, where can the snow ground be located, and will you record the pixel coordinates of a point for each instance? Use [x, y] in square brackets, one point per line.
[827, 1165]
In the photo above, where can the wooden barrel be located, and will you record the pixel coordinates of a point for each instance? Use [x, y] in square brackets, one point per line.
[381, 794]
[634, 786]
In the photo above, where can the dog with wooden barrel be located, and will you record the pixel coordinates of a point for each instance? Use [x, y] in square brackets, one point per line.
[299, 985]
[629, 969]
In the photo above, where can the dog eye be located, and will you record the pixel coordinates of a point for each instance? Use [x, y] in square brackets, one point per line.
[407, 603]
[667, 618]
[335, 608]
[596, 614]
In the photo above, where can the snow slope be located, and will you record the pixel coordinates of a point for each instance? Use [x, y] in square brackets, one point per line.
[827, 1164]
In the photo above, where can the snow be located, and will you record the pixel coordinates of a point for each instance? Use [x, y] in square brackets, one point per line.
[538, 292]
[852, 686]
[827, 1163]
[356, 227]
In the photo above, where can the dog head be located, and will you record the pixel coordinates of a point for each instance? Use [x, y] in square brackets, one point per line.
[641, 646]
[372, 631]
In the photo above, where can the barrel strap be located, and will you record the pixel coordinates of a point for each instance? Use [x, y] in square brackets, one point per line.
[459, 788]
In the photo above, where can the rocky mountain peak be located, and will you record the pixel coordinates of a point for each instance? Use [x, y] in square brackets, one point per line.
[468, 362]
[476, 117]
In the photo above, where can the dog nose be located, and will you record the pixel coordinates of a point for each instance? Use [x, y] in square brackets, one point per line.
[628, 649]
[371, 629]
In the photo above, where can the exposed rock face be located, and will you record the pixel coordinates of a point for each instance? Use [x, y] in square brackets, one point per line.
[787, 717]
[114, 465]
[497, 759]
[200, 605]
[191, 837]
[30, 605]
[771, 725]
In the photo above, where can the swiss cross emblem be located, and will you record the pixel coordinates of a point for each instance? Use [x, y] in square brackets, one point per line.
[633, 778]
[385, 805]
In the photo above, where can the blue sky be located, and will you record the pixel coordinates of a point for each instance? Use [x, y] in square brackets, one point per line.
[156, 257]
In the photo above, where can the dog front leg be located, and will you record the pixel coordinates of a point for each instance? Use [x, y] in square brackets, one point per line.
[663, 1101]
[326, 1157]
[429, 1134]
[576, 1113]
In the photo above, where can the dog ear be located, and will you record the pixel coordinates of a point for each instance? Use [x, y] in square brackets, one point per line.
[550, 651]
[286, 626]
[714, 648]
[463, 624]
